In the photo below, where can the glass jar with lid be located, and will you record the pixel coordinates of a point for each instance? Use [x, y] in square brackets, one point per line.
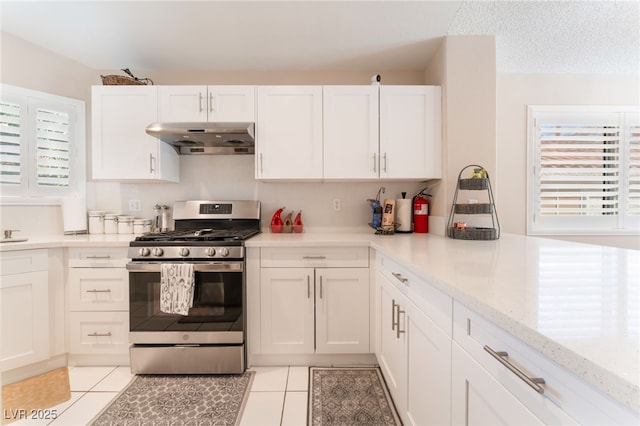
[96, 221]
[125, 224]
[110, 223]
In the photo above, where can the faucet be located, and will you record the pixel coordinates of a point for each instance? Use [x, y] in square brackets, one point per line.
[7, 233]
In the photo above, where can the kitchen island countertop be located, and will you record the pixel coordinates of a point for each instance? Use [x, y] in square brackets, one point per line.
[578, 304]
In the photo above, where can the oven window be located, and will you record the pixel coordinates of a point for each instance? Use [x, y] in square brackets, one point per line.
[217, 303]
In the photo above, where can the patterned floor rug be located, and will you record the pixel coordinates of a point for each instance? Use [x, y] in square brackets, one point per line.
[179, 400]
[349, 396]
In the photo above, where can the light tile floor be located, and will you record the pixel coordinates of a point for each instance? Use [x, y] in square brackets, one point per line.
[278, 396]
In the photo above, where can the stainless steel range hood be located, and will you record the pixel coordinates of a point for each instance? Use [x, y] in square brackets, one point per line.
[206, 138]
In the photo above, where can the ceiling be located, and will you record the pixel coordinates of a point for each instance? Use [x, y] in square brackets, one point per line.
[556, 36]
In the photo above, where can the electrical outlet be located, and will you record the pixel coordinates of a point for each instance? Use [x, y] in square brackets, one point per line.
[134, 205]
[337, 205]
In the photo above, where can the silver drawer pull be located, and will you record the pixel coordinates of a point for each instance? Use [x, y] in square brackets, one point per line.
[314, 257]
[95, 290]
[534, 382]
[99, 257]
[96, 334]
[400, 278]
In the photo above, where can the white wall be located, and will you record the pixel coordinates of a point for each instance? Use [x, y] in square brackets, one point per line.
[514, 93]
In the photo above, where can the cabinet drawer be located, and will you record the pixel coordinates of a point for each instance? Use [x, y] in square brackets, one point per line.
[98, 332]
[18, 262]
[435, 304]
[565, 396]
[315, 257]
[98, 257]
[98, 289]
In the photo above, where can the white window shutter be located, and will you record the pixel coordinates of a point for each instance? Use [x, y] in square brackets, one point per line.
[633, 169]
[53, 159]
[584, 164]
[13, 145]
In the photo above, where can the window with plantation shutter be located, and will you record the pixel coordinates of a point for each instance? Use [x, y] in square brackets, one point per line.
[583, 170]
[52, 148]
[41, 145]
[11, 146]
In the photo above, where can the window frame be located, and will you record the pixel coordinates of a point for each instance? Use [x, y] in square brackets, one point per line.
[28, 191]
[622, 223]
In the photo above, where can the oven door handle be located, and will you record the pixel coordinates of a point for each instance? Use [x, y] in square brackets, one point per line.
[197, 267]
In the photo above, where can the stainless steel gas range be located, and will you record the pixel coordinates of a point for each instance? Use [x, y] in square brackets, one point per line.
[208, 243]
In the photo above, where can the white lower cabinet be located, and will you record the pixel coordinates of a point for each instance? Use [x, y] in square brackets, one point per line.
[98, 295]
[24, 308]
[315, 309]
[413, 351]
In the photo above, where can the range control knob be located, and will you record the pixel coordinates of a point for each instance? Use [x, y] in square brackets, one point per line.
[210, 251]
[144, 252]
[184, 252]
[224, 252]
[157, 252]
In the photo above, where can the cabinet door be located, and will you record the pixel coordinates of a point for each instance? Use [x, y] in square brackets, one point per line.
[121, 149]
[391, 350]
[428, 371]
[286, 310]
[289, 132]
[479, 399]
[232, 103]
[183, 103]
[350, 119]
[410, 124]
[24, 309]
[342, 310]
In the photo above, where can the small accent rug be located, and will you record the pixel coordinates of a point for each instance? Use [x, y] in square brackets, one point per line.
[350, 396]
[179, 400]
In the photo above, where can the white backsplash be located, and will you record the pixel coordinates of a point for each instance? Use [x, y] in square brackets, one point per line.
[232, 178]
[220, 178]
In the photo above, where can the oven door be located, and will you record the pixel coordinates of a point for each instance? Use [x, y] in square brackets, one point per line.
[217, 315]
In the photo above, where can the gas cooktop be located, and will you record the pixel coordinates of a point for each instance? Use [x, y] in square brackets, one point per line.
[197, 235]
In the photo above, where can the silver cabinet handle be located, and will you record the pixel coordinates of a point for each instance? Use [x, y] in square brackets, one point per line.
[375, 166]
[320, 286]
[151, 164]
[200, 97]
[314, 257]
[95, 290]
[99, 257]
[211, 102]
[385, 162]
[398, 331]
[400, 278]
[308, 287]
[96, 334]
[534, 382]
[393, 314]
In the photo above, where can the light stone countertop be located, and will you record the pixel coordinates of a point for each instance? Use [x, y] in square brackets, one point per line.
[578, 304]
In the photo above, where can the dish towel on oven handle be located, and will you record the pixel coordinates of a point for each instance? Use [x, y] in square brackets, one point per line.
[177, 284]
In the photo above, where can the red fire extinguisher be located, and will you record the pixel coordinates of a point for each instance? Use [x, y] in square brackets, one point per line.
[420, 214]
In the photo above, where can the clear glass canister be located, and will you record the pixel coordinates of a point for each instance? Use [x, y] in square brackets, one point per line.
[125, 224]
[96, 222]
[110, 223]
[141, 226]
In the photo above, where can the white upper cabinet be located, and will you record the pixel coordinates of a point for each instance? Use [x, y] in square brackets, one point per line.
[361, 133]
[207, 103]
[289, 132]
[350, 132]
[410, 132]
[121, 149]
